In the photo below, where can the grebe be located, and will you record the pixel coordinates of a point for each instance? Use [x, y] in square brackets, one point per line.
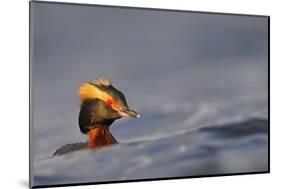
[100, 105]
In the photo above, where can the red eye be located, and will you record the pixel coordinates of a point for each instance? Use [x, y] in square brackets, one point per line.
[109, 102]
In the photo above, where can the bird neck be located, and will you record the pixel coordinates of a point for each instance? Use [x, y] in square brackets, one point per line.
[99, 137]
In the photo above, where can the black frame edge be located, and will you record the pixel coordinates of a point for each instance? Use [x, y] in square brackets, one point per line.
[145, 8]
[148, 180]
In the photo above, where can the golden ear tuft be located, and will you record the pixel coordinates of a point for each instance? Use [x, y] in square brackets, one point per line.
[100, 81]
[87, 92]
[91, 90]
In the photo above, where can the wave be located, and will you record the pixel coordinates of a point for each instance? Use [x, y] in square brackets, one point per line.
[214, 149]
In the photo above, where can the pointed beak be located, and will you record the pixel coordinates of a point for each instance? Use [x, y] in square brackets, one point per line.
[126, 111]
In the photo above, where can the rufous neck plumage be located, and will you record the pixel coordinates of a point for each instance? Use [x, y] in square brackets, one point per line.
[99, 137]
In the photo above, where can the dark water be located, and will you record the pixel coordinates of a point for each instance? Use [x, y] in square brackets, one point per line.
[218, 149]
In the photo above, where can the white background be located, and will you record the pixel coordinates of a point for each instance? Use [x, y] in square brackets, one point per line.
[14, 88]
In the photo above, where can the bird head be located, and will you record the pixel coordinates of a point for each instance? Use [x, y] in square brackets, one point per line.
[102, 89]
